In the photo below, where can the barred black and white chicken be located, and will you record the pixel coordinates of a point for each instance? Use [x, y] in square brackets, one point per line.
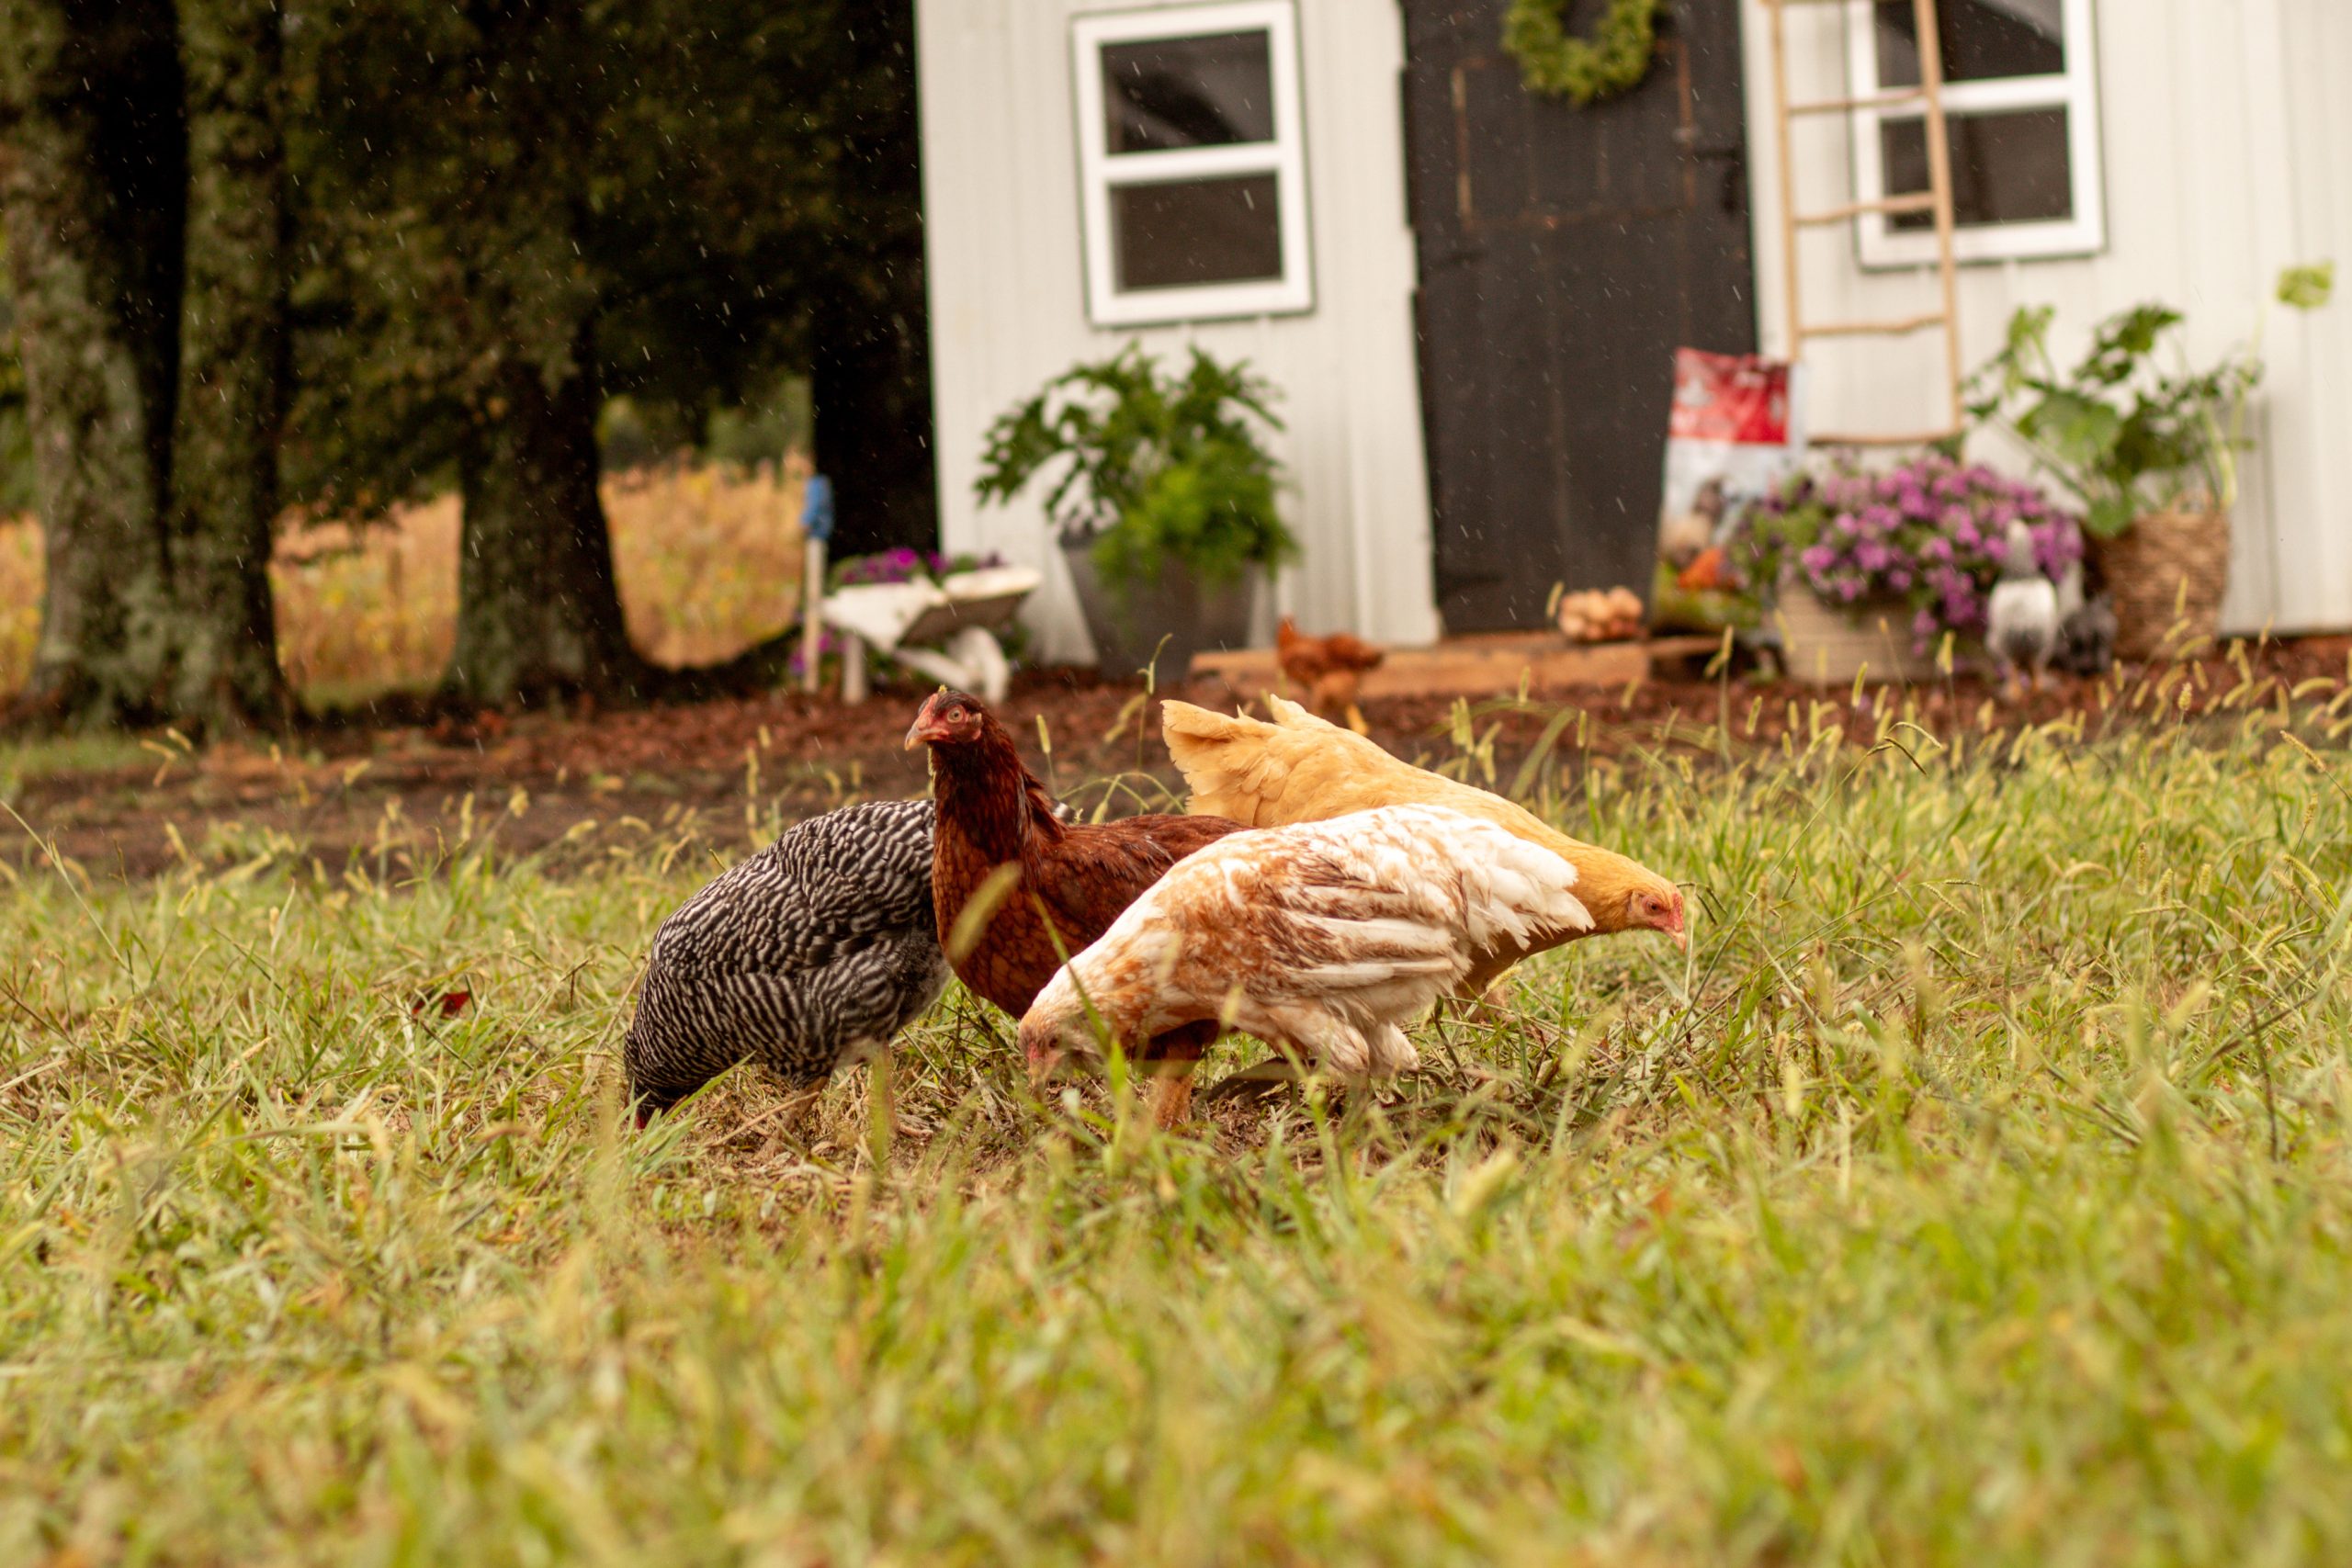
[809, 955]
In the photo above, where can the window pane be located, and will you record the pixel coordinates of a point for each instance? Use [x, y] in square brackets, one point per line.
[1980, 39]
[1210, 90]
[1189, 232]
[2005, 168]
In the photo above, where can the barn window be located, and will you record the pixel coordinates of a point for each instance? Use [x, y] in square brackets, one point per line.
[1193, 162]
[2021, 106]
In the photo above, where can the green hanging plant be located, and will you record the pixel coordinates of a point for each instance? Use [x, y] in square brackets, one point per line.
[1550, 61]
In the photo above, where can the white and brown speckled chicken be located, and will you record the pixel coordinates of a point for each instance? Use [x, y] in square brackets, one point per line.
[1300, 769]
[805, 956]
[1326, 938]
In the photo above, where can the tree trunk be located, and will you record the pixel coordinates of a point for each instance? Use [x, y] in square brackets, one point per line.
[234, 366]
[149, 313]
[870, 375]
[539, 613]
[94, 190]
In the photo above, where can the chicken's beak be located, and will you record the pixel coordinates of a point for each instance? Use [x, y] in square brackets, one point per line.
[915, 735]
[1680, 930]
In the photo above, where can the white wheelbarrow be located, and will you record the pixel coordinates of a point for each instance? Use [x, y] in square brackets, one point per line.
[946, 629]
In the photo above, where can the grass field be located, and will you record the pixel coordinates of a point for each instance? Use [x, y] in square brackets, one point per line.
[1978, 1191]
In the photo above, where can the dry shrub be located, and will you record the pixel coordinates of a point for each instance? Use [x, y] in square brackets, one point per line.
[369, 607]
[20, 579]
[708, 559]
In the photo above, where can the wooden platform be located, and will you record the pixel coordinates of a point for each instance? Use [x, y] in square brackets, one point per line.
[1488, 665]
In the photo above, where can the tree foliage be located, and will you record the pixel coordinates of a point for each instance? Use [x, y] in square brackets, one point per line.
[517, 209]
[346, 252]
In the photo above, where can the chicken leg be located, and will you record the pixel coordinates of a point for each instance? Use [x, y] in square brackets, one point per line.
[1173, 1057]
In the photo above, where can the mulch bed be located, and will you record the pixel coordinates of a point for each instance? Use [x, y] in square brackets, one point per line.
[405, 794]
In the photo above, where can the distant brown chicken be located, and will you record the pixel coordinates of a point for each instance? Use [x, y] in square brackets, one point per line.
[1329, 669]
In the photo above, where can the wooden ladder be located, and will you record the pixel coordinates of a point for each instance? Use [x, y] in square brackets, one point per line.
[1935, 198]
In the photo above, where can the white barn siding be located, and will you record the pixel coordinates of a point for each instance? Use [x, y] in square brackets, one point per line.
[1008, 302]
[2227, 143]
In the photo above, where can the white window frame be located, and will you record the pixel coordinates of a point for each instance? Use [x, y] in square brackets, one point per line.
[1881, 245]
[1100, 170]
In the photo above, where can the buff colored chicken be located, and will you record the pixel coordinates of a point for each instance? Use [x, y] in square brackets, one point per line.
[1300, 769]
[1322, 938]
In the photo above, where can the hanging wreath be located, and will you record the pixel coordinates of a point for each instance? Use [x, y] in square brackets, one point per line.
[1613, 61]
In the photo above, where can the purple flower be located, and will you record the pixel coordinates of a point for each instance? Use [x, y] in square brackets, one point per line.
[1927, 534]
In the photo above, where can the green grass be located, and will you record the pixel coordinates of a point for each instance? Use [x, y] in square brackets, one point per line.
[23, 760]
[1977, 1192]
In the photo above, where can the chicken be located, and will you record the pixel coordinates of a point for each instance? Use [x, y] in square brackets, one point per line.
[2021, 619]
[2086, 626]
[1709, 572]
[1299, 769]
[1329, 669]
[803, 957]
[1681, 537]
[1324, 938]
[1069, 880]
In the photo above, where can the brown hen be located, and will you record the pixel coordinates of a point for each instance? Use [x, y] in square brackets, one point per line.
[1068, 881]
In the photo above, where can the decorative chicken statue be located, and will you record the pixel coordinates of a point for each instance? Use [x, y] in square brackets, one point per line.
[2086, 626]
[2021, 622]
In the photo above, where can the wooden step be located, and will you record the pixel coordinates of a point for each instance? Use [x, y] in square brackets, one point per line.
[1486, 665]
[1895, 99]
[1910, 201]
[1894, 327]
[1890, 439]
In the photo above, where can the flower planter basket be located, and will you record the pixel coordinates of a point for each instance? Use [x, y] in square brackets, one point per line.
[2169, 568]
[1828, 646]
[1126, 628]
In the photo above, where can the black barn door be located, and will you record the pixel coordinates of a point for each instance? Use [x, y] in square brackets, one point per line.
[1565, 254]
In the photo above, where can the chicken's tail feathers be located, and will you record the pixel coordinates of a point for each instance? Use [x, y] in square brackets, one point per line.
[1222, 757]
[1185, 723]
[1289, 715]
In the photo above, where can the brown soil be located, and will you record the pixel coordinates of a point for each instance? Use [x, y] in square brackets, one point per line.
[401, 797]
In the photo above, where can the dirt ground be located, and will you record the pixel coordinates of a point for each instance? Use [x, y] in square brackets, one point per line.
[725, 771]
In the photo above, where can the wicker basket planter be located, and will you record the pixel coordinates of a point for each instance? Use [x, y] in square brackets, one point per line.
[1830, 647]
[2168, 568]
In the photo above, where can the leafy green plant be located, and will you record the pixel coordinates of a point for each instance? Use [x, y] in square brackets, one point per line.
[2121, 431]
[1151, 466]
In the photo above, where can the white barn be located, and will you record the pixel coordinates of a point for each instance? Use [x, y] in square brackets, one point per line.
[1469, 296]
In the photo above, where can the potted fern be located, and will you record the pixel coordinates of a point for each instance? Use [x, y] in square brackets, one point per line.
[2150, 452]
[1163, 492]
